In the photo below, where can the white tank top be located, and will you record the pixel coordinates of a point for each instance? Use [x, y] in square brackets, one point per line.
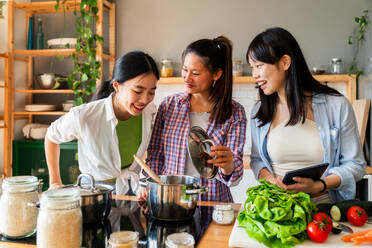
[294, 147]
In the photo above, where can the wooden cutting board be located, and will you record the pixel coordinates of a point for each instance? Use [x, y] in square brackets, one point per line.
[239, 238]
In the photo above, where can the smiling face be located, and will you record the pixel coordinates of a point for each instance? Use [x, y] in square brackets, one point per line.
[196, 75]
[270, 78]
[134, 95]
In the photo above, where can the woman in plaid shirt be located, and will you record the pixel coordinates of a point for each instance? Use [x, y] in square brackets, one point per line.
[207, 72]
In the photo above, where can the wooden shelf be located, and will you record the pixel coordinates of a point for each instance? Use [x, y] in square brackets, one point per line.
[251, 80]
[48, 7]
[40, 113]
[51, 52]
[1, 117]
[46, 91]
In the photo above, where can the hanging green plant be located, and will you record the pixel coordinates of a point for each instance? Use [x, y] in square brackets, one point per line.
[357, 40]
[86, 70]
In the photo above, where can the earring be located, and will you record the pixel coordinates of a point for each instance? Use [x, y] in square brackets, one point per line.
[214, 83]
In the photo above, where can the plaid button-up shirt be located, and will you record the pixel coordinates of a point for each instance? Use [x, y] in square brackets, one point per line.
[167, 150]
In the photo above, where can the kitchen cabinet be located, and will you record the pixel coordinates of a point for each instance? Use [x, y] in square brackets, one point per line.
[30, 56]
[29, 159]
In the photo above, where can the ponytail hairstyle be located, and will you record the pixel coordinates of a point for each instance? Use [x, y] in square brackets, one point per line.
[128, 66]
[269, 47]
[216, 54]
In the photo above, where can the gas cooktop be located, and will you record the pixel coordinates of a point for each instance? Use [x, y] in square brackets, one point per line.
[127, 215]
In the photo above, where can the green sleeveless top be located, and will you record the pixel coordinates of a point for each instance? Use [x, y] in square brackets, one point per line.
[129, 134]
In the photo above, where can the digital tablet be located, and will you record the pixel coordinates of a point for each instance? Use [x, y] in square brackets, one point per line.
[313, 172]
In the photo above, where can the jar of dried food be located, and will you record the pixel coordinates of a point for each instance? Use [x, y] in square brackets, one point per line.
[166, 68]
[123, 239]
[180, 240]
[17, 218]
[60, 220]
[223, 214]
[237, 68]
[337, 66]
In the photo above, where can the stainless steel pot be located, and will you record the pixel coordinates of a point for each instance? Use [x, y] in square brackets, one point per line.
[175, 199]
[95, 199]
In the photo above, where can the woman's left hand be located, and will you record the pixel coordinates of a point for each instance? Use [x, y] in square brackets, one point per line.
[306, 185]
[222, 157]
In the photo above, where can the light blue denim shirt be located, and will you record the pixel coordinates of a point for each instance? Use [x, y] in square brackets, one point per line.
[335, 120]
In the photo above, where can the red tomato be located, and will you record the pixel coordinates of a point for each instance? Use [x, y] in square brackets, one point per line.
[325, 219]
[316, 232]
[357, 216]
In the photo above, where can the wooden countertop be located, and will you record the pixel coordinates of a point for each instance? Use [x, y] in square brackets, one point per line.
[216, 236]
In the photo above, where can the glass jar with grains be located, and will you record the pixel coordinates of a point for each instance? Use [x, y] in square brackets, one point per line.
[223, 214]
[166, 68]
[60, 220]
[180, 240]
[237, 68]
[123, 239]
[17, 217]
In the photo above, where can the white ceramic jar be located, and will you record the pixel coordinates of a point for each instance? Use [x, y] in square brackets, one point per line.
[60, 220]
[17, 217]
[223, 214]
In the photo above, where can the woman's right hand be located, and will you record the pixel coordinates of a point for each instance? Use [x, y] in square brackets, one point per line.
[55, 185]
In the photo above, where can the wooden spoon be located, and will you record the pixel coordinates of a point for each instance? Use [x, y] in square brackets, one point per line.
[147, 169]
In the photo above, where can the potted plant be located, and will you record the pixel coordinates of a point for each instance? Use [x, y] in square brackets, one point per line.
[357, 40]
[86, 70]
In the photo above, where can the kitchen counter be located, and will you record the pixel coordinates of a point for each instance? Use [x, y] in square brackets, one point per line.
[216, 236]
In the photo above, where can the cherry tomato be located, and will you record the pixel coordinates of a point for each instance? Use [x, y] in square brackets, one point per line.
[356, 216]
[325, 219]
[316, 232]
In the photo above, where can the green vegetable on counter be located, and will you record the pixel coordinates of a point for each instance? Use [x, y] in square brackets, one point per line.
[276, 217]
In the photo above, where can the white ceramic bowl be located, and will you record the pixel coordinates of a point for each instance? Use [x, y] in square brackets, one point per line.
[35, 131]
[61, 42]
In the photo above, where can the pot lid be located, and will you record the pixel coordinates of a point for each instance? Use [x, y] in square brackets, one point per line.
[199, 145]
[90, 188]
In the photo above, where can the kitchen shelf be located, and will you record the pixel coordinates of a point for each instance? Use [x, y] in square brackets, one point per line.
[40, 113]
[28, 57]
[350, 81]
[48, 7]
[52, 52]
[56, 91]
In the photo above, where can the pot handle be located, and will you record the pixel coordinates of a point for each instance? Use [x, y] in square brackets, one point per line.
[91, 178]
[199, 190]
[143, 182]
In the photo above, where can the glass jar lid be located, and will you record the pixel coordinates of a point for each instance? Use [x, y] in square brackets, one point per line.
[180, 240]
[19, 184]
[123, 237]
[223, 207]
[62, 198]
[237, 62]
[336, 60]
[166, 61]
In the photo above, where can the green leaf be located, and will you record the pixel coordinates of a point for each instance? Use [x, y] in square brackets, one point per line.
[349, 40]
[84, 77]
[356, 19]
[56, 6]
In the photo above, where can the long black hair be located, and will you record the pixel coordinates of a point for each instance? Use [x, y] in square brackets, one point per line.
[128, 66]
[216, 54]
[269, 47]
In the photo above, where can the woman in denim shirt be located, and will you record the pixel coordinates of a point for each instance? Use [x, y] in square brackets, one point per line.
[299, 122]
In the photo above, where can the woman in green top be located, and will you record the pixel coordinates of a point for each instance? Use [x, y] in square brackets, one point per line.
[112, 127]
